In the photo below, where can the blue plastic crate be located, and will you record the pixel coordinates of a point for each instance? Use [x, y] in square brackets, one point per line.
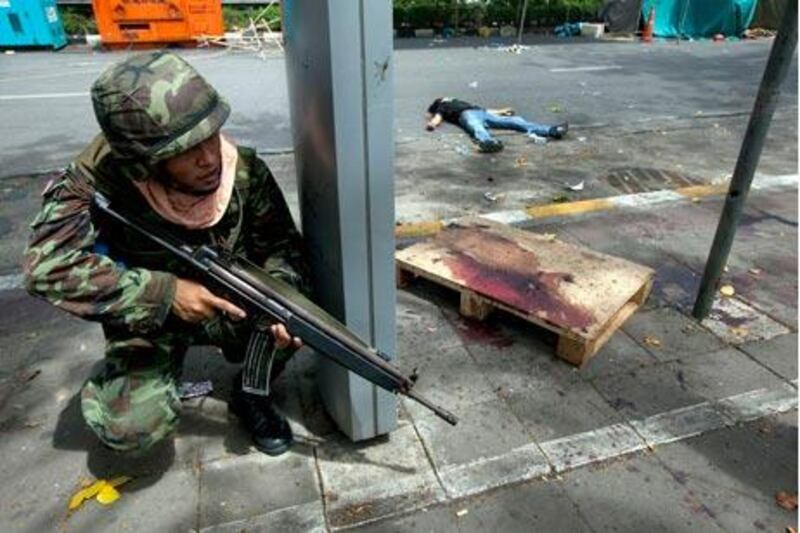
[31, 23]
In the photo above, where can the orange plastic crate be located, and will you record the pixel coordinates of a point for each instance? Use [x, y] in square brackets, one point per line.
[126, 22]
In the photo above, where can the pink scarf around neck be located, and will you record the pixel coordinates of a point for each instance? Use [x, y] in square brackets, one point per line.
[189, 211]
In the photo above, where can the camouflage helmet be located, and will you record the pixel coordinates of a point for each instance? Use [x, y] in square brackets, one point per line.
[153, 106]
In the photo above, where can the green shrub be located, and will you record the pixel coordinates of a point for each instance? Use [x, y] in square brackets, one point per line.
[238, 17]
[77, 20]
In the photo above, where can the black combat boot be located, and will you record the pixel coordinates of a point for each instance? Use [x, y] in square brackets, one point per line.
[269, 428]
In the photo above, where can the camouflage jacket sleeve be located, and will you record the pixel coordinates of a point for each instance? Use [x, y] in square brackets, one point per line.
[61, 266]
[272, 239]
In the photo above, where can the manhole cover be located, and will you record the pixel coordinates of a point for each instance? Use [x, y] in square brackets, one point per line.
[631, 180]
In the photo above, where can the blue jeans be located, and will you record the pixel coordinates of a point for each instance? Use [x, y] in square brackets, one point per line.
[477, 121]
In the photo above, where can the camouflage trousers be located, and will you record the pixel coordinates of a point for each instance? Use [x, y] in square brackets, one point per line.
[133, 401]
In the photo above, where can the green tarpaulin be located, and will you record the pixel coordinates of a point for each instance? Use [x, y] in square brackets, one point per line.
[700, 18]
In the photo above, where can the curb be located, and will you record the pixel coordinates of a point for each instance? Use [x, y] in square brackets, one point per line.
[625, 201]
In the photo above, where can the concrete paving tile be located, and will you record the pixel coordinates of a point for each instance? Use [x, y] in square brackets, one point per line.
[451, 378]
[679, 335]
[726, 373]
[736, 473]
[649, 391]
[255, 484]
[553, 412]
[166, 504]
[440, 519]
[621, 353]
[735, 322]
[674, 284]
[534, 506]
[486, 429]
[520, 464]
[592, 446]
[778, 354]
[37, 480]
[421, 328]
[637, 494]
[307, 517]
[374, 479]
[528, 364]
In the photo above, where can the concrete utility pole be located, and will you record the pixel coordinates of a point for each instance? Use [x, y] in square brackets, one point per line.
[522, 17]
[780, 59]
[340, 66]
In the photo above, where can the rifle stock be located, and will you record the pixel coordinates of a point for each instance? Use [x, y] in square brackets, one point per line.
[263, 295]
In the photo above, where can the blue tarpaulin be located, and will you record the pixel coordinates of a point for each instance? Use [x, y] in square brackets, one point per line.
[700, 18]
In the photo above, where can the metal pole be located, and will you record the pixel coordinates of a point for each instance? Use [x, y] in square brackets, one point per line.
[522, 21]
[780, 59]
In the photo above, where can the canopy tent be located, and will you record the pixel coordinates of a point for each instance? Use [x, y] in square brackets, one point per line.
[621, 16]
[700, 18]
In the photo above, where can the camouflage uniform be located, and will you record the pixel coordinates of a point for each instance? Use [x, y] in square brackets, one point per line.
[151, 107]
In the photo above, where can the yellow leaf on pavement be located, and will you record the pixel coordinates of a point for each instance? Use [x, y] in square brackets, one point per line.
[86, 493]
[652, 341]
[740, 331]
[727, 290]
[107, 495]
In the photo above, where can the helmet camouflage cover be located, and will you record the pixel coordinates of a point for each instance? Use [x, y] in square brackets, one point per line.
[153, 106]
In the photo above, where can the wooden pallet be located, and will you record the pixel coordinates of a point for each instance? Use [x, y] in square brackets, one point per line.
[582, 295]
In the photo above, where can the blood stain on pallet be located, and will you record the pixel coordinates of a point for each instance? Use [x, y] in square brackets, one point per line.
[499, 268]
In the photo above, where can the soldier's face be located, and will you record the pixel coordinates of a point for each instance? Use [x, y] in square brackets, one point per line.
[196, 171]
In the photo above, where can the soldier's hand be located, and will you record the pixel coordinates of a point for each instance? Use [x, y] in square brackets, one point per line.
[194, 303]
[283, 339]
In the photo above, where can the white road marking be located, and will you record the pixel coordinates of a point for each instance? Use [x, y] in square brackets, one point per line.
[6, 97]
[595, 68]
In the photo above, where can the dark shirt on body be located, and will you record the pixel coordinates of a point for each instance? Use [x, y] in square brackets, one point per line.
[450, 108]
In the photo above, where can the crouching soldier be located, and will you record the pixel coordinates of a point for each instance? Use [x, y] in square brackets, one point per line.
[161, 156]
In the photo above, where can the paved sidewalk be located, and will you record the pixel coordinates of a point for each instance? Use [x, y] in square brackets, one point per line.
[682, 436]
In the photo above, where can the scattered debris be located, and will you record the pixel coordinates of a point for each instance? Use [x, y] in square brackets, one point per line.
[727, 290]
[549, 237]
[461, 149]
[581, 139]
[537, 139]
[257, 37]
[555, 108]
[696, 199]
[577, 187]
[758, 33]
[521, 162]
[462, 512]
[560, 198]
[650, 340]
[491, 197]
[513, 49]
[104, 491]
[195, 389]
[26, 376]
[786, 500]
[473, 85]
[755, 272]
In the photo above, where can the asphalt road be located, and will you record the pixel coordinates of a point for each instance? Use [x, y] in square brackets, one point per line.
[47, 116]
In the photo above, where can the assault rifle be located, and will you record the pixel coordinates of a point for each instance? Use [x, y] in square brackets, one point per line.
[270, 300]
